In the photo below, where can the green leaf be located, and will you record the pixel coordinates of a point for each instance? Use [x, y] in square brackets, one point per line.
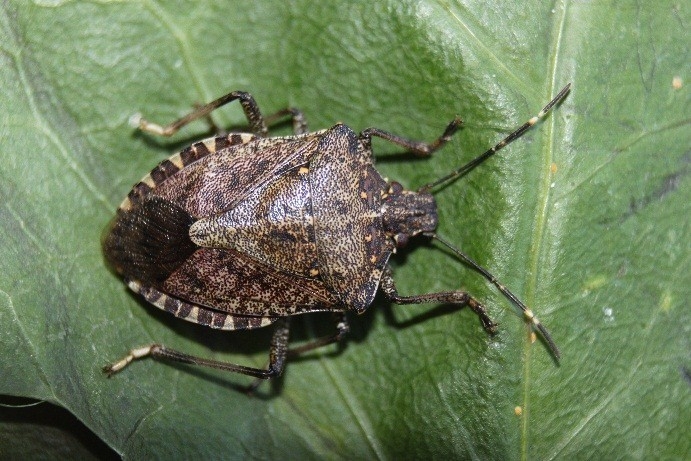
[586, 219]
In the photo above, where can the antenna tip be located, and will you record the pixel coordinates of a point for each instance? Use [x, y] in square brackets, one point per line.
[548, 339]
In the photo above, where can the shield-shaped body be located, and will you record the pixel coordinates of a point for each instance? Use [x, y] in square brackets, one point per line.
[237, 231]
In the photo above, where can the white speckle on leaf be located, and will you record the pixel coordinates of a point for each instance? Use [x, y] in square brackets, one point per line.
[134, 120]
[677, 83]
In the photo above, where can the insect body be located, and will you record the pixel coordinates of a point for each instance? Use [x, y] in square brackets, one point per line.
[241, 231]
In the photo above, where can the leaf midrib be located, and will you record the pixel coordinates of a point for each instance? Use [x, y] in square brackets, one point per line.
[541, 218]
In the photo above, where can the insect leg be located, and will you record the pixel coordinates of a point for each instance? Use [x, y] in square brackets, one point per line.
[296, 116]
[420, 148]
[460, 298]
[277, 356]
[249, 106]
[342, 329]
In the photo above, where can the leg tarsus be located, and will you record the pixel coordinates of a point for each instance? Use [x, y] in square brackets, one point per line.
[133, 354]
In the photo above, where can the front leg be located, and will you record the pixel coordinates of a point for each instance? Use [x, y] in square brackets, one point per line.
[419, 148]
[458, 298]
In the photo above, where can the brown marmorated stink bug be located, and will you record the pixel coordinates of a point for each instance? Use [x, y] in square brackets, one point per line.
[242, 230]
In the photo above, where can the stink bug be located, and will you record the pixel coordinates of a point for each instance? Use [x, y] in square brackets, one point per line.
[241, 231]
